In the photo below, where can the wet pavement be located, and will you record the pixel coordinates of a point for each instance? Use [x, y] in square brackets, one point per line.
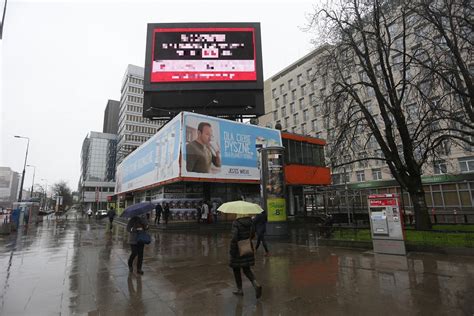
[80, 268]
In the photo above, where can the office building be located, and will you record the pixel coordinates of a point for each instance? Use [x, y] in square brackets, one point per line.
[111, 117]
[133, 129]
[97, 181]
[293, 99]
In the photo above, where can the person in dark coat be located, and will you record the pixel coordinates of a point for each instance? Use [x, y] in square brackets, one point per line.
[242, 228]
[111, 215]
[136, 224]
[261, 228]
[158, 211]
[166, 212]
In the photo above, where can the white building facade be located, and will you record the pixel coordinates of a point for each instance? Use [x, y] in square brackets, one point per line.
[133, 129]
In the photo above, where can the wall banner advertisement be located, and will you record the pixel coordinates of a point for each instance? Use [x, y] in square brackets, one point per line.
[155, 161]
[222, 149]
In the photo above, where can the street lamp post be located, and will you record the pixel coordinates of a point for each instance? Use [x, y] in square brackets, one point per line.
[45, 194]
[24, 166]
[33, 182]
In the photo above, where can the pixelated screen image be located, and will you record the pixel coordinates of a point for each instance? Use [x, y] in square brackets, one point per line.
[203, 54]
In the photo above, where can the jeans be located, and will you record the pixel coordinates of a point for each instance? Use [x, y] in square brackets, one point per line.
[136, 250]
[238, 277]
[261, 238]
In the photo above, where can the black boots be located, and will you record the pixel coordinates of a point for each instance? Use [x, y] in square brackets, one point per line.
[238, 292]
[256, 286]
[258, 289]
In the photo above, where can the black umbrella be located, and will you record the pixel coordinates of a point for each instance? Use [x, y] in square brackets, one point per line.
[138, 209]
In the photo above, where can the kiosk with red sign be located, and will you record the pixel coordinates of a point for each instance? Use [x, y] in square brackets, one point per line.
[386, 223]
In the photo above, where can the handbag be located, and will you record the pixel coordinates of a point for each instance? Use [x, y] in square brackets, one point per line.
[143, 237]
[245, 247]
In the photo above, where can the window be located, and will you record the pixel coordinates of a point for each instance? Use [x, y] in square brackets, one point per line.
[275, 115]
[370, 92]
[292, 107]
[290, 84]
[303, 90]
[282, 88]
[377, 174]
[299, 80]
[293, 130]
[363, 163]
[274, 93]
[285, 99]
[312, 98]
[293, 95]
[283, 111]
[317, 109]
[440, 167]
[360, 176]
[295, 119]
[305, 115]
[313, 125]
[309, 74]
[303, 129]
[301, 103]
[277, 102]
[466, 164]
[286, 122]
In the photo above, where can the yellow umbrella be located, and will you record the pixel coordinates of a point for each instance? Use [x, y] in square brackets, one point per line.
[240, 207]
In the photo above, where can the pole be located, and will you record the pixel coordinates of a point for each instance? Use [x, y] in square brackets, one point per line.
[347, 199]
[24, 166]
[33, 182]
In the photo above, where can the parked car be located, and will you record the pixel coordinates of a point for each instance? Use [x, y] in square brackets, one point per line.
[101, 213]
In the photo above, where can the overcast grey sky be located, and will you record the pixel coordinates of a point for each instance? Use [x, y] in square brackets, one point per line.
[62, 60]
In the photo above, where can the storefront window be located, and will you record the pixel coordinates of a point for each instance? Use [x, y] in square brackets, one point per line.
[451, 198]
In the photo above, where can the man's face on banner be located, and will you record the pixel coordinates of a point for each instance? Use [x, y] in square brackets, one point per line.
[206, 135]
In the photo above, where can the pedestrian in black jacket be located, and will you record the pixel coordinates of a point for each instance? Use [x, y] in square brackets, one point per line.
[260, 221]
[158, 211]
[242, 228]
[136, 224]
[166, 212]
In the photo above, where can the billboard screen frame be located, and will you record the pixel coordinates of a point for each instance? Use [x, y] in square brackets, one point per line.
[165, 99]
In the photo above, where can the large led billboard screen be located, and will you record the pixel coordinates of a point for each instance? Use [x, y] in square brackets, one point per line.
[203, 54]
[190, 66]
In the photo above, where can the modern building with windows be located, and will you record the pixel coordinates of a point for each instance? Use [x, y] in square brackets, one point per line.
[97, 181]
[293, 99]
[133, 128]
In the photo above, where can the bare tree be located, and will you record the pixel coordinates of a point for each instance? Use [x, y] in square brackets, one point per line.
[62, 189]
[447, 30]
[379, 102]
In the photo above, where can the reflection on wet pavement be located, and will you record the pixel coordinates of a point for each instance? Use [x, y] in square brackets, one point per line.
[78, 267]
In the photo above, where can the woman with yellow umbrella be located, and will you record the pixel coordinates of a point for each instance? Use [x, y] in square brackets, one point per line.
[241, 248]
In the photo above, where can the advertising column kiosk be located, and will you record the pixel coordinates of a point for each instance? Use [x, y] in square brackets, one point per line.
[386, 224]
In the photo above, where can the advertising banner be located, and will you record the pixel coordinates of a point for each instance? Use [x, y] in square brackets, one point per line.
[155, 161]
[276, 209]
[221, 149]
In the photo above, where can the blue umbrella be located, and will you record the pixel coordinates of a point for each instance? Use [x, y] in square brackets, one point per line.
[138, 209]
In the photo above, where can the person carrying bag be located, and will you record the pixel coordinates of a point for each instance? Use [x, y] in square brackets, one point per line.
[137, 239]
[242, 253]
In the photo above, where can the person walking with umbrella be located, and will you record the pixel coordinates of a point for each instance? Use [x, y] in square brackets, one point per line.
[242, 230]
[136, 227]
